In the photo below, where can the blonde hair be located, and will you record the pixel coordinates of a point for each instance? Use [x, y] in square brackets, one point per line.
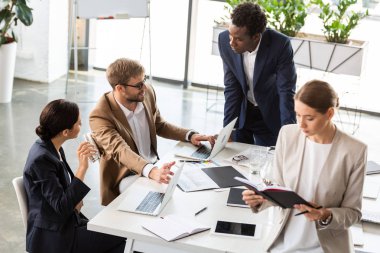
[122, 70]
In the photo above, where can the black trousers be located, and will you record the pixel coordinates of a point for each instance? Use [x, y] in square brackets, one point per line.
[255, 130]
[94, 242]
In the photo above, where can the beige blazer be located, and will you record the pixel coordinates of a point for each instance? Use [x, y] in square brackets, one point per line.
[113, 135]
[340, 185]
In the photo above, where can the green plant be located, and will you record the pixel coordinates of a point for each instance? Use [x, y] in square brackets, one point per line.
[285, 16]
[338, 20]
[12, 11]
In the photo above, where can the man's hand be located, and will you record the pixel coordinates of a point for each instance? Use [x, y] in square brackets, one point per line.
[197, 138]
[252, 199]
[162, 175]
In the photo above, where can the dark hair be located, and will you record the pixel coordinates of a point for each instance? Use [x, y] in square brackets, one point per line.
[251, 16]
[57, 116]
[318, 95]
[122, 70]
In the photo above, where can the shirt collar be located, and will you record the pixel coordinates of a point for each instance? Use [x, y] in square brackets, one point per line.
[255, 51]
[128, 113]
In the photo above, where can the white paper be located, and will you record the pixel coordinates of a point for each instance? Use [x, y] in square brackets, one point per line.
[357, 234]
[193, 178]
[371, 190]
[172, 227]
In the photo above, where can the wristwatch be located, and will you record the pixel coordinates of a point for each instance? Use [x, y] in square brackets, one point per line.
[326, 221]
[191, 135]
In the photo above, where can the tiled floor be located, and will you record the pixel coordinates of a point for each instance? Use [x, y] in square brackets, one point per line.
[183, 107]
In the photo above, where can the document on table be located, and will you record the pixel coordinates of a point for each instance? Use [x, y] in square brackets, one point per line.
[357, 234]
[371, 189]
[194, 179]
[205, 175]
[173, 227]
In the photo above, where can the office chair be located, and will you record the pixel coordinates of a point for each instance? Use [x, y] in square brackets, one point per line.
[22, 198]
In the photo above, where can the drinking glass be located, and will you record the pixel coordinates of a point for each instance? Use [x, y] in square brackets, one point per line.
[267, 167]
[257, 159]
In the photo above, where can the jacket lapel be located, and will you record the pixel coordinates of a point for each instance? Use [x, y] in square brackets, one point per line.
[119, 115]
[63, 176]
[261, 57]
[152, 127]
[293, 178]
[240, 72]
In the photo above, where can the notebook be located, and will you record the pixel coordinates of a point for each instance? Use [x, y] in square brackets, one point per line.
[205, 178]
[148, 202]
[204, 152]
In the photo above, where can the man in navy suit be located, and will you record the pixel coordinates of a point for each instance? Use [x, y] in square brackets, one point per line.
[259, 77]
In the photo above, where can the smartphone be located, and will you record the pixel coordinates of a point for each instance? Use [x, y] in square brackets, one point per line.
[237, 229]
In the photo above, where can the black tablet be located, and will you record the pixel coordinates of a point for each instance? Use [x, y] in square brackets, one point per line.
[237, 229]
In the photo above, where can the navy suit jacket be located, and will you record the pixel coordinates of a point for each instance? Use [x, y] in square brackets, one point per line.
[274, 81]
[51, 200]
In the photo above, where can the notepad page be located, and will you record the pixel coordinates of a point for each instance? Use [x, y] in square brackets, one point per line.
[371, 190]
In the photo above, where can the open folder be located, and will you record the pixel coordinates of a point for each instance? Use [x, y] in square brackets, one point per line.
[173, 227]
[282, 196]
[204, 176]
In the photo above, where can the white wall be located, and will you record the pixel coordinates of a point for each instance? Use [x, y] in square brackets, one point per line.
[42, 47]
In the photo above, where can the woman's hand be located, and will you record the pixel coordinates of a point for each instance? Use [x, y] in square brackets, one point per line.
[84, 151]
[314, 214]
[252, 199]
[163, 174]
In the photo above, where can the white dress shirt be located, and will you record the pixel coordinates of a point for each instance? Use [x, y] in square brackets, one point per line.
[300, 234]
[249, 59]
[140, 129]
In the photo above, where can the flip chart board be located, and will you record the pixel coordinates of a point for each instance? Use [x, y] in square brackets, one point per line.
[112, 8]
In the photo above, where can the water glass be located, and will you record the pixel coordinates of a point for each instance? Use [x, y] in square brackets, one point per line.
[257, 159]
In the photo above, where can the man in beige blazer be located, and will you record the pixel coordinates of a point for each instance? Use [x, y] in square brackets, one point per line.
[125, 124]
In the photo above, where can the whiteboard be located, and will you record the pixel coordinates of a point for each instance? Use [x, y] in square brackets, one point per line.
[112, 8]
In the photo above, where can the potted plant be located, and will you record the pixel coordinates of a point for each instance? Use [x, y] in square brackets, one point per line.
[11, 12]
[285, 16]
[332, 52]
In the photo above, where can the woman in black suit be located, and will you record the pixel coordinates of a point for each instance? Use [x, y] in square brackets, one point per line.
[55, 193]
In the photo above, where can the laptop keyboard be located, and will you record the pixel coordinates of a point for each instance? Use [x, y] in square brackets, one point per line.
[150, 202]
[203, 152]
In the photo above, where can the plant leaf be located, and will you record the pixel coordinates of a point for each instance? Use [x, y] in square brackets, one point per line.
[24, 13]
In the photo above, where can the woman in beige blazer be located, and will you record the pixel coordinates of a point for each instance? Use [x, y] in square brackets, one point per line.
[326, 167]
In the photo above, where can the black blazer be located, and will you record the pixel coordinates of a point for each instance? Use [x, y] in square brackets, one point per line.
[274, 81]
[51, 200]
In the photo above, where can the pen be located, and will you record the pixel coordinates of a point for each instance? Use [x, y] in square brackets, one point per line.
[190, 161]
[318, 207]
[203, 209]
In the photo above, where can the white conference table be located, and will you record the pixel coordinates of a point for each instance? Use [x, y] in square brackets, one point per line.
[124, 224]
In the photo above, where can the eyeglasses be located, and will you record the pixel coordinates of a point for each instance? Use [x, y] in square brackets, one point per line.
[138, 85]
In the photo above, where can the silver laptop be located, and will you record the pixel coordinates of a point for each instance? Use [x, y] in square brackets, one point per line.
[205, 152]
[149, 202]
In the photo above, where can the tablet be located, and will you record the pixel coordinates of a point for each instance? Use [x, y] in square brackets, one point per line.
[231, 228]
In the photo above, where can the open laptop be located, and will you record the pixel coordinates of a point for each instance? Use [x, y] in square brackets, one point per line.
[149, 202]
[204, 152]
